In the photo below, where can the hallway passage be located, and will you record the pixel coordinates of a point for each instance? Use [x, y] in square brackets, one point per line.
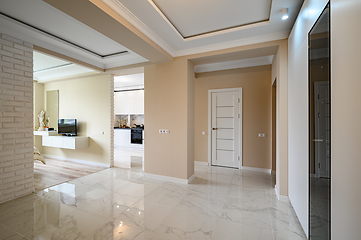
[117, 203]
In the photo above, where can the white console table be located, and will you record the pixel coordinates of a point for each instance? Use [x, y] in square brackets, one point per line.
[76, 142]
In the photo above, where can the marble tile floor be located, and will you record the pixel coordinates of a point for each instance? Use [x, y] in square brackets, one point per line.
[116, 203]
[128, 158]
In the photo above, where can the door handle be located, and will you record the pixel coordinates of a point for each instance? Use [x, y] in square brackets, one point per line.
[318, 140]
[214, 128]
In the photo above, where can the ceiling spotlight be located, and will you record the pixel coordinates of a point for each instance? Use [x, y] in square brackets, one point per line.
[284, 13]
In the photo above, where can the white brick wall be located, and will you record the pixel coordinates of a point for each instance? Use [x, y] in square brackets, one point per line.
[16, 119]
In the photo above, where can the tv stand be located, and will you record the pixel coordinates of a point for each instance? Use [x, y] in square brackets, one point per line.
[68, 142]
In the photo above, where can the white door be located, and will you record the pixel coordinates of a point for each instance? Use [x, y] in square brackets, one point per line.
[322, 129]
[225, 128]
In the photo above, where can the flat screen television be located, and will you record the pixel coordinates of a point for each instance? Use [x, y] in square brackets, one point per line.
[67, 127]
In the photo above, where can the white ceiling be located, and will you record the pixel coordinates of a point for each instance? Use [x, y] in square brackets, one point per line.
[48, 27]
[192, 17]
[133, 81]
[144, 15]
[170, 24]
[47, 68]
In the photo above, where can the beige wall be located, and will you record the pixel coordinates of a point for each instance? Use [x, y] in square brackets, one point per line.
[38, 106]
[190, 117]
[88, 100]
[280, 75]
[345, 119]
[168, 97]
[274, 127]
[256, 92]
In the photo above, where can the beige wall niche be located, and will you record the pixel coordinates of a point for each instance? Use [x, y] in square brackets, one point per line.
[256, 93]
[168, 99]
[87, 99]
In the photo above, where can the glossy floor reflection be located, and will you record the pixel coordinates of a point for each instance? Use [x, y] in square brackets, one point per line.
[128, 158]
[118, 203]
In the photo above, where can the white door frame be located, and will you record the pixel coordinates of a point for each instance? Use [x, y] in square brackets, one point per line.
[240, 162]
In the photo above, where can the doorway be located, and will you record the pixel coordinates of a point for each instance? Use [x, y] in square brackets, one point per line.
[320, 129]
[225, 127]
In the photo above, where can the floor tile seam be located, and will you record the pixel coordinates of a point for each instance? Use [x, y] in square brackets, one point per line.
[215, 227]
[12, 230]
[270, 218]
[169, 214]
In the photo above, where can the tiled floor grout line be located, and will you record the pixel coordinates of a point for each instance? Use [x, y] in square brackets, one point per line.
[14, 231]
[172, 211]
[215, 227]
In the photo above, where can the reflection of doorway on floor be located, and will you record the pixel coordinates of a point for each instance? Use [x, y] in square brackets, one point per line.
[128, 158]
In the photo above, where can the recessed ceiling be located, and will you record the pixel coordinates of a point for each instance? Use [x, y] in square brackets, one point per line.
[193, 18]
[43, 25]
[47, 68]
[260, 21]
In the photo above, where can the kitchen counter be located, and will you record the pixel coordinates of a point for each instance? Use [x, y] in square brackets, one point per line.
[118, 128]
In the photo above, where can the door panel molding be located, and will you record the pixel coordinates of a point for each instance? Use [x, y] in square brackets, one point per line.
[212, 138]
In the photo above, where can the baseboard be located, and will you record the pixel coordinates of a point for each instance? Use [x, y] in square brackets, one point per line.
[170, 179]
[77, 160]
[201, 163]
[189, 180]
[264, 170]
[281, 197]
[313, 175]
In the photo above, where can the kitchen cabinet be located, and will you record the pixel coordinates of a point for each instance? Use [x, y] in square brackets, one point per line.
[129, 102]
[122, 139]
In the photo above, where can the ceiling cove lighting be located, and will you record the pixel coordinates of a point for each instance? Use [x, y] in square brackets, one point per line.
[284, 13]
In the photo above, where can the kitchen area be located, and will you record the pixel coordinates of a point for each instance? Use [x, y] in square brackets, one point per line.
[129, 121]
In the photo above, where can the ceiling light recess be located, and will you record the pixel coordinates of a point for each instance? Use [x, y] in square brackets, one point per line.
[284, 13]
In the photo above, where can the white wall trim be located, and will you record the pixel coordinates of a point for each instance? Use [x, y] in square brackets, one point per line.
[201, 163]
[170, 179]
[189, 180]
[281, 197]
[77, 160]
[264, 170]
[232, 44]
[137, 23]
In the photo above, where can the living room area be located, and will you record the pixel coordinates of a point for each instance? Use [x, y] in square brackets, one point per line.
[72, 127]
